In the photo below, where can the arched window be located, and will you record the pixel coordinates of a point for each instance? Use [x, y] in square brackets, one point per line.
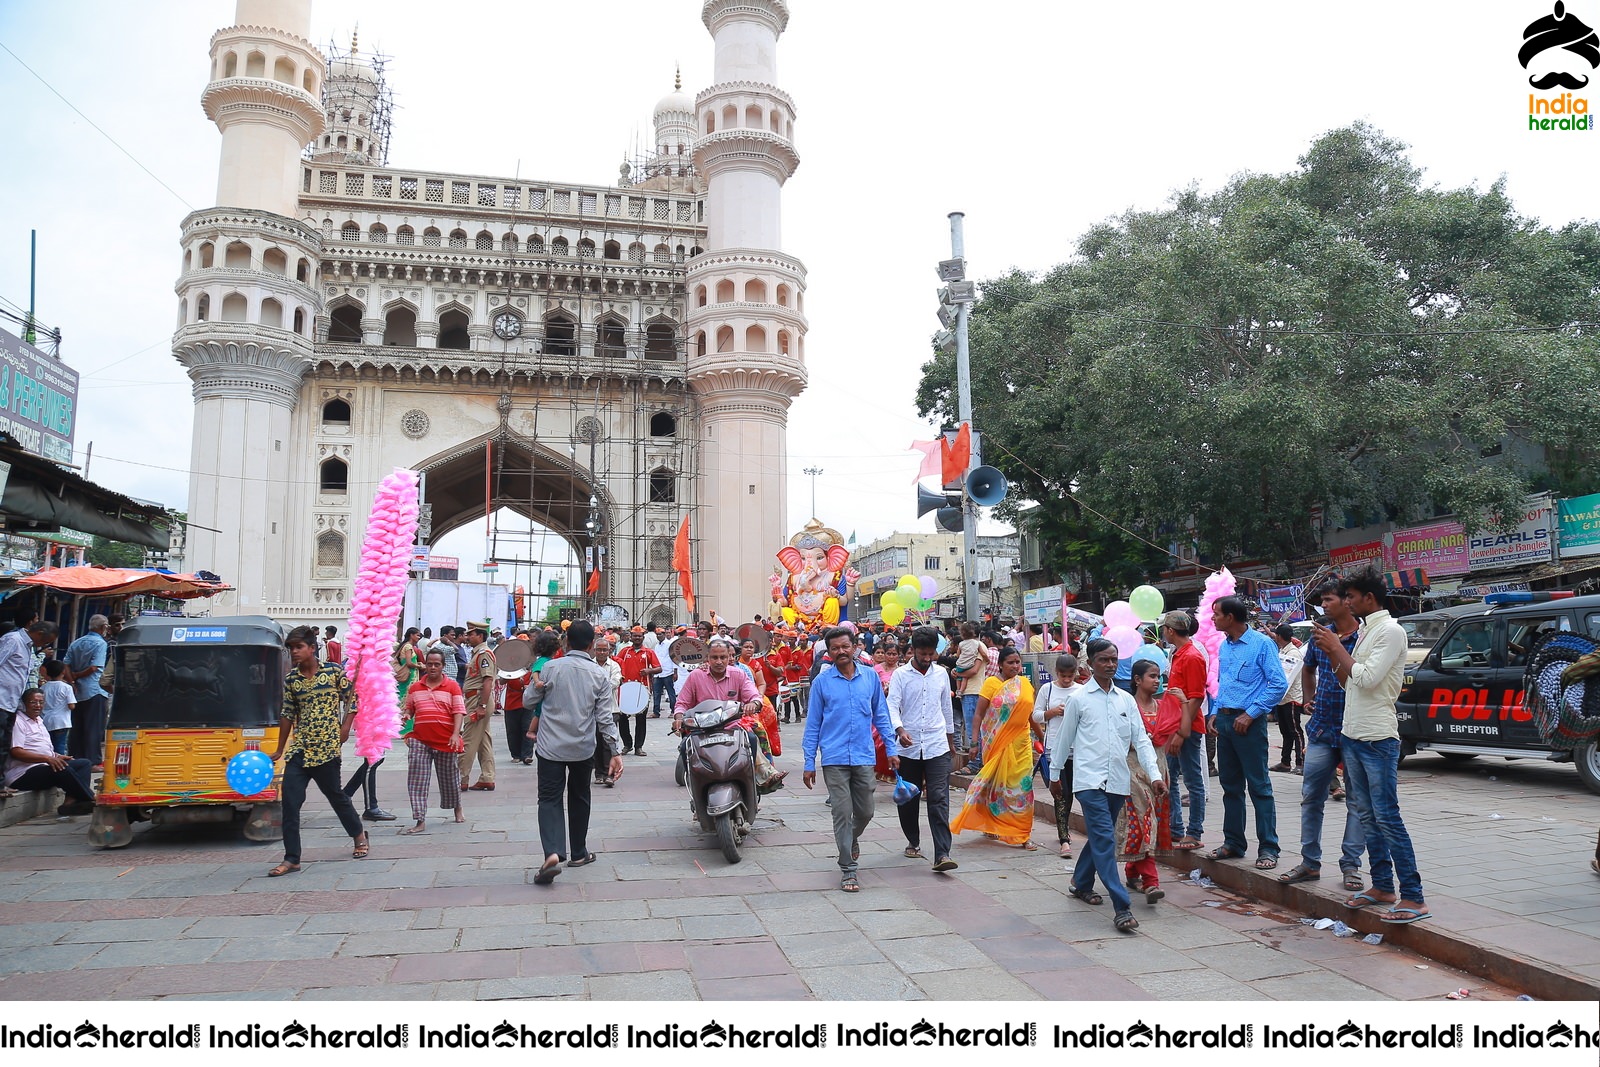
[300, 321]
[431, 237]
[700, 343]
[202, 308]
[283, 71]
[755, 339]
[508, 243]
[660, 341]
[711, 123]
[558, 247]
[724, 291]
[730, 117]
[662, 424]
[255, 65]
[660, 553]
[458, 238]
[230, 65]
[309, 82]
[453, 330]
[783, 296]
[613, 250]
[783, 341]
[755, 291]
[725, 339]
[350, 231]
[237, 256]
[700, 296]
[330, 554]
[183, 312]
[405, 235]
[753, 117]
[663, 486]
[485, 241]
[207, 251]
[344, 324]
[612, 338]
[695, 251]
[272, 313]
[188, 259]
[636, 253]
[560, 336]
[663, 254]
[378, 234]
[302, 270]
[585, 249]
[336, 412]
[681, 253]
[536, 245]
[400, 327]
[235, 308]
[333, 477]
[275, 261]
[773, 123]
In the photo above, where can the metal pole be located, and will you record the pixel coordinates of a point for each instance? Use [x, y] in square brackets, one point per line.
[28, 333]
[969, 510]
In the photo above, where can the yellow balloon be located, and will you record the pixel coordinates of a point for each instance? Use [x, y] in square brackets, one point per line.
[894, 614]
[890, 599]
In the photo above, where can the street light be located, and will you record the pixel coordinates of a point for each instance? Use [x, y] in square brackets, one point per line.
[813, 471]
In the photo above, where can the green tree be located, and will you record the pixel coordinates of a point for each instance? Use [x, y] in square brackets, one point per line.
[115, 553]
[1341, 335]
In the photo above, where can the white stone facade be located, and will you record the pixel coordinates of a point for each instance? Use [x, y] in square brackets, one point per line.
[636, 345]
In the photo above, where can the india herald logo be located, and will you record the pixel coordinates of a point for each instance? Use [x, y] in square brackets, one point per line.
[1562, 31]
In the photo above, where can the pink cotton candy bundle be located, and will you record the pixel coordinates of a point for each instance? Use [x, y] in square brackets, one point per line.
[1219, 585]
[375, 611]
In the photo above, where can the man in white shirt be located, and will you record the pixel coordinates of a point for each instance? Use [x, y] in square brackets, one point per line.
[1372, 674]
[1100, 726]
[919, 702]
[1292, 751]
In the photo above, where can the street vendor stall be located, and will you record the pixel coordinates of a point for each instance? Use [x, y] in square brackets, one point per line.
[69, 595]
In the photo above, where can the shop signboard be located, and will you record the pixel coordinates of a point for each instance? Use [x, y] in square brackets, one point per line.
[1353, 554]
[1580, 526]
[1531, 541]
[1285, 603]
[38, 399]
[1042, 606]
[1439, 548]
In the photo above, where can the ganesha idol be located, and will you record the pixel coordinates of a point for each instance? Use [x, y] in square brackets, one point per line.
[816, 583]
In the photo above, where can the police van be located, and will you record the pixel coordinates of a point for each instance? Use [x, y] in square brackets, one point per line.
[1465, 698]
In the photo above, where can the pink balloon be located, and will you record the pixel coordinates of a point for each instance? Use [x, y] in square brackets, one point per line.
[1119, 614]
[1126, 638]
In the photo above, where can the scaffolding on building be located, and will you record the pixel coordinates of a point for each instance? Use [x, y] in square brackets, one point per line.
[343, 89]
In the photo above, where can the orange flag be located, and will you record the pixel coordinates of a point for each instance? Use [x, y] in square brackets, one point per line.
[957, 455]
[594, 581]
[680, 563]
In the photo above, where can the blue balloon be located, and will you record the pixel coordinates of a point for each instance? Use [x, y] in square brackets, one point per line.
[250, 772]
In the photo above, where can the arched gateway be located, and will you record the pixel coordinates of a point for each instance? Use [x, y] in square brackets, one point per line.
[512, 340]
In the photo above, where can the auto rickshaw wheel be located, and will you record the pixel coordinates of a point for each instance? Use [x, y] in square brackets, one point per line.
[265, 822]
[108, 827]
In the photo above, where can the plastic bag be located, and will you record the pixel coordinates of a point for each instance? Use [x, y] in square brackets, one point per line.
[904, 791]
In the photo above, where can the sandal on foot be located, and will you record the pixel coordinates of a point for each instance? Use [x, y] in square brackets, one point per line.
[547, 872]
[1364, 900]
[585, 861]
[1352, 882]
[912, 852]
[1301, 873]
[1266, 863]
[1153, 893]
[848, 884]
[1403, 916]
[408, 831]
[1028, 846]
[1224, 853]
[284, 868]
[1125, 922]
[1088, 896]
[1066, 850]
[1187, 844]
[945, 865]
[363, 848]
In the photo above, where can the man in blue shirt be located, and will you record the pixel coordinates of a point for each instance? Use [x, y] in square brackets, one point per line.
[846, 703]
[86, 660]
[1250, 683]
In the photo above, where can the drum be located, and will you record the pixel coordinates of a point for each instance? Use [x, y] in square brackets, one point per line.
[633, 698]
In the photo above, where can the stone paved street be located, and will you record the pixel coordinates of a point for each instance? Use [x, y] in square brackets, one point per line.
[452, 914]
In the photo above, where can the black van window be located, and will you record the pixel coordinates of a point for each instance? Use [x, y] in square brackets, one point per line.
[1521, 630]
[1468, 645]
[1591, 622]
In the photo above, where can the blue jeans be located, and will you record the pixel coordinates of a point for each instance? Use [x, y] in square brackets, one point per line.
[1190, 765]
[1322, 759]
[663, 683]
[1241, 766]
[969, 711]
[1372, 769]
[1099, 855]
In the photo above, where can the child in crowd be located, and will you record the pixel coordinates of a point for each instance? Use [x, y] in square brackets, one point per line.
[59, 702]
[1048, 707]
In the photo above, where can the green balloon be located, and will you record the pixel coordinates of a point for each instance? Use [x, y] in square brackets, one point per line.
[1147, 603]
[924, 604]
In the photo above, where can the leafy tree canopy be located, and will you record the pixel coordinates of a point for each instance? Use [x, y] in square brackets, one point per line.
[115, 553]
[1340, 335]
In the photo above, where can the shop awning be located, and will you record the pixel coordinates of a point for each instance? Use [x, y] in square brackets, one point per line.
[123, 581]
[1406, 580]
[43, 495]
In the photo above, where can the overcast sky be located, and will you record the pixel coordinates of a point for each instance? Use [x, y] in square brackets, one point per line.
[1037, 119]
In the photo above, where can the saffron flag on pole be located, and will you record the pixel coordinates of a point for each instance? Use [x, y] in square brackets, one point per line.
[680, 563]
[594, 581]
[930, 458]
[957, 455]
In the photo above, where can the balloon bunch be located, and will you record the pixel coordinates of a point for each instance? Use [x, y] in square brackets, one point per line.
[1123, 617]
[375, 610]
[911, 593]
[1219, 585]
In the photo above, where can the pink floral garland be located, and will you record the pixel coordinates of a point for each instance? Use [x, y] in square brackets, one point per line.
[1219, 585]
[375, 611]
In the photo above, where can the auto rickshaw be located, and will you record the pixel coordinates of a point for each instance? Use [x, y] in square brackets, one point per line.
[190, 695]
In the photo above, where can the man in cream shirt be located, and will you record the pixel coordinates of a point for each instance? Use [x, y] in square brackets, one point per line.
[1372, 674]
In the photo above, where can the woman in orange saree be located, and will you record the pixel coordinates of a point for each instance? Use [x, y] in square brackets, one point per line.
[1000, 799]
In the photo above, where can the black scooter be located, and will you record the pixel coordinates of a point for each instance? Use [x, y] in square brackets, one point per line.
[719, 762]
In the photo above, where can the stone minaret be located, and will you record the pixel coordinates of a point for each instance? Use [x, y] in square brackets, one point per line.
[247, 297]
[746, 323]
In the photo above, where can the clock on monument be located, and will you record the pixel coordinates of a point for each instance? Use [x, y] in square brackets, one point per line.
[507, 326]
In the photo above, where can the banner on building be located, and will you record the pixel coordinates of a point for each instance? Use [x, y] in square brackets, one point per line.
[1042, 606]
[1350, 555]
[1580, 526]
[38, 399]
[1285, 603]
[1532, 541]
[1439, 548]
